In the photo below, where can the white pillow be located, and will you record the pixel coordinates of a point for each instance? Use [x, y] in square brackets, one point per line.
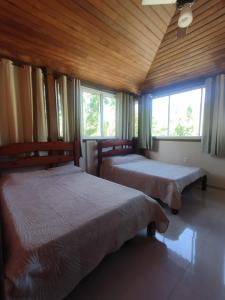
[123, 159]
[28, 177]
[66, 169]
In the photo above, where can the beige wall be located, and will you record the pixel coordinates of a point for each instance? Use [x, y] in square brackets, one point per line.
[189, 153]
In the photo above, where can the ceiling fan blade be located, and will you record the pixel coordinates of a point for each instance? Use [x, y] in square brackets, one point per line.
[157, 2]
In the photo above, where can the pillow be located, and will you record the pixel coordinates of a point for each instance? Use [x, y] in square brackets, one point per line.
[21, 177]
[123, 159]
[28, 177]
[63, 170]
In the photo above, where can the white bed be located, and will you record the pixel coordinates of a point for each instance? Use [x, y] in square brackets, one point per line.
[59, 224]
[156, 179]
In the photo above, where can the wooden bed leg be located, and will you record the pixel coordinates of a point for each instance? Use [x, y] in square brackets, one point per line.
[151, 228]
[204, 183]
[174, 211]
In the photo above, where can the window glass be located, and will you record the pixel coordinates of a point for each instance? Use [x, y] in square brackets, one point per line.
[59, 112]
[136, 119]
[185, 113]
[109, 116]
[178, 114]
[99, 113]
[91, 114]
[160, 111]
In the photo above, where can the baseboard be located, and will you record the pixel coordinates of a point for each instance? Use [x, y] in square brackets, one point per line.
[216, 187]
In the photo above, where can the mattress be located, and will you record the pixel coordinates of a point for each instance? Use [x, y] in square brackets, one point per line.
[59, 225]
[156, 179]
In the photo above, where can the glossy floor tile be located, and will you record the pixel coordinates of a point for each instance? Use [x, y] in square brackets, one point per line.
[186, 262]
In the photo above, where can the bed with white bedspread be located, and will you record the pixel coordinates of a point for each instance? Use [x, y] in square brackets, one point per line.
[154, 178]
[60, 223]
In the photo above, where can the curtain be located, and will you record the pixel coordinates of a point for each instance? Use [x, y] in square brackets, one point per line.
[144, 122]
[26, 96]
[40, 114]
[9, 131]
[213, 137]
[22, 103]
[69, 103]
[125, 115]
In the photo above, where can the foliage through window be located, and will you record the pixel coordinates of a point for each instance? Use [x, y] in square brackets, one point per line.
[59, 111]
[136, 119]
[178, 115]
[99, 113]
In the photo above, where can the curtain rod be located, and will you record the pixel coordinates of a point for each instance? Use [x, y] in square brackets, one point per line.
[56, 74]
[19, 63]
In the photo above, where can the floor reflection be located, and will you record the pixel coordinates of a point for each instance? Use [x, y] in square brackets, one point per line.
[187, 262]
[183, 244]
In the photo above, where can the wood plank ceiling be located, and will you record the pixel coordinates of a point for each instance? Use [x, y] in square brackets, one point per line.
[199, 54]
[107, 42]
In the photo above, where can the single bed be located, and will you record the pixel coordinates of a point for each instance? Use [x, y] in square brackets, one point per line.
[119, 163]
[59, 223]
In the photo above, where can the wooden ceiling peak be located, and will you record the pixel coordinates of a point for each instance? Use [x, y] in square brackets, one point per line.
[200, 53]
[107, 42]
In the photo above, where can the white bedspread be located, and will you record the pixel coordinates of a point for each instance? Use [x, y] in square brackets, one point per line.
[59, 226]
[154, 178]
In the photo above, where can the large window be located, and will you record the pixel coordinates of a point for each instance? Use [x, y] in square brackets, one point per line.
[178, 115]
[99, 113]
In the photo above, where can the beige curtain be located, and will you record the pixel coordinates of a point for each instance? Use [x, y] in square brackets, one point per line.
[40, 114]
[26, 96]
[145, 122]
[64, 105]
[213, 137]
[9, 126]
[125, 115]
[22, 104]
[69, 102]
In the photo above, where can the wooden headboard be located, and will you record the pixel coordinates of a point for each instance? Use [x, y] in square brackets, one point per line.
[22, 155]
[46, 154]
[115, 147]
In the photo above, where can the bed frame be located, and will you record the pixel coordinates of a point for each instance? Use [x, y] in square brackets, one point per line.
[37, 154]
[123, 147]
[47, 154]
[115, 147]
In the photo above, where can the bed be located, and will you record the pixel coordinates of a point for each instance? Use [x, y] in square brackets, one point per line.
[59, 223]
[118, 162]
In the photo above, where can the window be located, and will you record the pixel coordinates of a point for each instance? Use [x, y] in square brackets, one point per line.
[59, 111]
[178, 115]
[136, 119]
[99, 113]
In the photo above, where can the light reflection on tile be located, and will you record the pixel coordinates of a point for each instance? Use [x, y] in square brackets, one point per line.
[187, 262]
[184, 245]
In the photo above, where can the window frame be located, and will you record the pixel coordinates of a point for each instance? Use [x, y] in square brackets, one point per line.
[168, 137]
[102, 94]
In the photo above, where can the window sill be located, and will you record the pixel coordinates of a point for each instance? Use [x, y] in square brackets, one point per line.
[98, 138]
[177, 138]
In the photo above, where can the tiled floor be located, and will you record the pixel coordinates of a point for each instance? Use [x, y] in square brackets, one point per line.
[185, 263]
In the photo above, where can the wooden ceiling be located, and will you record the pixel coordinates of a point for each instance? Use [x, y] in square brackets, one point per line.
[199, 54]
[106, 42]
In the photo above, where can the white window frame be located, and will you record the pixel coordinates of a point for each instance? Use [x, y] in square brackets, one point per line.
[102, 95]
[171, 137]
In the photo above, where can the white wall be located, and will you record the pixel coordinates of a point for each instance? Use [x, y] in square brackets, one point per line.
[189, 153]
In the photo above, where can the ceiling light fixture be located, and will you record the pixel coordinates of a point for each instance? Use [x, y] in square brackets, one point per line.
[186, 16]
